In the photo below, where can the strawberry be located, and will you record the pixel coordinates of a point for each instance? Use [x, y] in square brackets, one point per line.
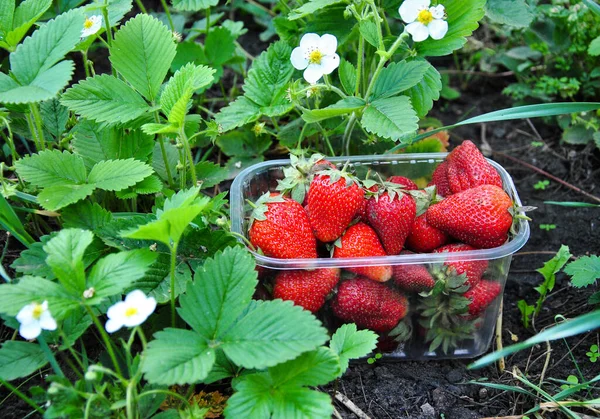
[280, 228]
[482, 295]
[473, 269]
[479, 216]
[307, 289]
[369, 304]
[392, 214]
[468, 168]
[412, 278]
[360, 240]
[362, 211]
[424, 238]
[333, 200]
[440, 179]
[404, 182]
[299, 174]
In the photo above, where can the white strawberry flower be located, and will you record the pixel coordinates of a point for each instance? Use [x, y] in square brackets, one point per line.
[316, 56]
[33, 318]
[422, 20]
[91, 25]
[129, 313]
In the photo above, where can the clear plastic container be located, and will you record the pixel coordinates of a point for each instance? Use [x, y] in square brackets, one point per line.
[256, 180]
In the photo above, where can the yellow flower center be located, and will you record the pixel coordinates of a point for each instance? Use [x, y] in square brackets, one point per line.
[315, 57]
[88, 24]
[37, 311]
[131, 311]
[425, 17]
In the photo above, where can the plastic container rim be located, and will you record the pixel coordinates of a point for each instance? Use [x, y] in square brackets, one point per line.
[507, 249]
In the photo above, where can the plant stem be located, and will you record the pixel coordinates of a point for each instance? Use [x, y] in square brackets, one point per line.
[378, 24]
[207, 20]
[142, 336]
[107, 24]
[163, 151]
[37, 117]
[359, 63]
[85, 66]
[173, 263]
[326, 139]
[348, 133]
[32, 130]
[49, 355]
[384, 59]
[106, 339]
[10, 141]
[188, 152]
[141, 6]
[168, 13]
[22, 396]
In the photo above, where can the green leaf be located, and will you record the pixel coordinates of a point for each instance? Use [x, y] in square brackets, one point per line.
[310, 8]
[56, 197]
[223, 368]
[268, 78]
[104, 98]
[95, 143]
[463, 18]
[175, 100]
[85, 215]
[114, 175]
[551, 268]
[515, 13]
[342, 107]
[150, 185]
[426, 91]
[54, 117]
[65, 257]
[390, 117]
[51, 167]
[116, 272]
[13, 297]
[349, 344]
[584, 271]
[20, 359]
[303, 403]
[142, 52]
[73, 326]
[156, 282]
[189, 359]
[347, 74]
[219, 46]
[398, 77]
[314, 368]
[368, 30]
[243, 144]
[578, 134]
[25, 16]
[48, 45]
[11, 223]
[45, 86]
[158, 163]
[210, 174]
[7, 10]
[271, 332]
[223, 288]
[238, 113]
[194, 5]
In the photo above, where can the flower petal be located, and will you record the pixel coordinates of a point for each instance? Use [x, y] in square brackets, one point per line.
[330, 63]
[149, 306]
[313, 73]
[135, 298]
[25, 315]
[418, 31]
[112, 325]
[298, 59]
[30, 330]
[117, 310]
[328, 44]
[310, 40]
[47, 322]
[409, 9]
[438, 12]
[438, 28]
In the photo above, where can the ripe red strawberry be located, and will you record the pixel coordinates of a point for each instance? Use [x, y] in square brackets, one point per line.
[412, 278]
[360, 240]
[307, 289]
[362, 211]
[392, 214]
[404, 182]
[280, 228]
[473, 269]
[440, 179]
[482, 295]
[468, 168]
[369, 304]
[424, 238]
[477, 216]
[333, 200]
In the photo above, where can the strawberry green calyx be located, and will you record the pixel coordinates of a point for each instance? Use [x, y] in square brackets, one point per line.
[403, 331]
[519, 213]
[259, 208]
[425, 198]
[299, 174]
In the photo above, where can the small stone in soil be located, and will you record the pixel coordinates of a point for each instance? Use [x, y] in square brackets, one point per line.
[428, 410]
[455, 376]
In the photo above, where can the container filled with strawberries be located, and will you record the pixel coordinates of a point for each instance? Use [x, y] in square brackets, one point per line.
[416, 247]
